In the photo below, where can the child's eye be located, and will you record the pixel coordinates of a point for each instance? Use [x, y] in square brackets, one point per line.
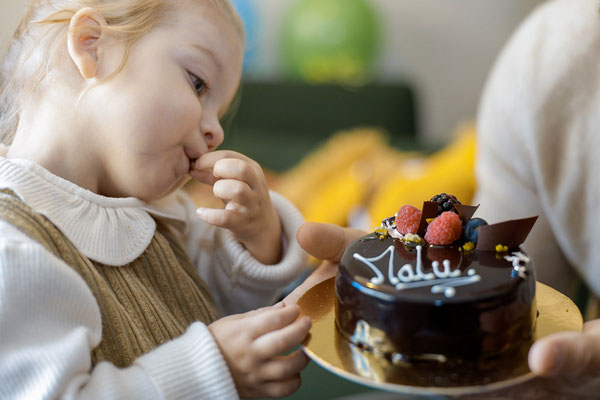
[199, 84]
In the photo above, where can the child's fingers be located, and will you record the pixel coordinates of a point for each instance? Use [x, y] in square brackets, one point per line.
[262, 309]
[284, 367]
[208, 160]
[218, 217]
[278, 389]
[270, 320]
[279, 304]
[278, 341]
[228, 165]
[231, 190]
[230, 217]
[204, 176]
[234, 168]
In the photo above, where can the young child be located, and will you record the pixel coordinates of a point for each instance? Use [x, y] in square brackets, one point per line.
[110, 284]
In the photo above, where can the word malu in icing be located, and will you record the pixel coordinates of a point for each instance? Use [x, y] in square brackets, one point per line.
[441, 279]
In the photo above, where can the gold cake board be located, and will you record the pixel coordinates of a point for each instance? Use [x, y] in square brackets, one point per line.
[326, 347]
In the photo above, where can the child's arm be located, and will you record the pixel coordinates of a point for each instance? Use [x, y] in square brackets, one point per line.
[237, 281]
[50, 323]
[248, 213]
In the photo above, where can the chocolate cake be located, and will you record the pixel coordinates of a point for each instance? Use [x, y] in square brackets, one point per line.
[410, 300]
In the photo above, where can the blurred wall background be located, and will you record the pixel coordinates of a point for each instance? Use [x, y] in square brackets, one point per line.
[444, 48]
[10, 13]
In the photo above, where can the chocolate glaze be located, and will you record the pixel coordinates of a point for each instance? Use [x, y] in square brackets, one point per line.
[485, 317]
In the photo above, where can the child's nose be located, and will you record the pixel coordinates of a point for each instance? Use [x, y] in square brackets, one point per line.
[213, 134]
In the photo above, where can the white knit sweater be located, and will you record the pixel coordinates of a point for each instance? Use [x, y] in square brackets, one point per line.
[539, 138]
[50, 321]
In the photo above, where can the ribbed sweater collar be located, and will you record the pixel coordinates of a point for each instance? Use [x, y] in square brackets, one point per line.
[113, 231]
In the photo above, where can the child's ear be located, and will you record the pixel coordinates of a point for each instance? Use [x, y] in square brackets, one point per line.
[83, 40]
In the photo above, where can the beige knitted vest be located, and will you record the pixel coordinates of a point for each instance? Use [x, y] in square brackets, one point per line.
[144, 303]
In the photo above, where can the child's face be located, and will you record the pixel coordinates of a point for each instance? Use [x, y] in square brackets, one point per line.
[158, 114]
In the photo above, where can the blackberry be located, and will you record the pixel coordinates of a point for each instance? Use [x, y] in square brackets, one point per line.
[445, 202]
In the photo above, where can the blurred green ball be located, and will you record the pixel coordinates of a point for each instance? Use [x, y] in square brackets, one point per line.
[330, 41]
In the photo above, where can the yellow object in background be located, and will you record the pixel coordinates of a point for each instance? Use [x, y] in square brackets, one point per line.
[450, 170]
[359, 170]
[339, 176]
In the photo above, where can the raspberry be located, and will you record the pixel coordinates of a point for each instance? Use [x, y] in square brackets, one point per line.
[408, 219]
[445, 229]
[445, 202]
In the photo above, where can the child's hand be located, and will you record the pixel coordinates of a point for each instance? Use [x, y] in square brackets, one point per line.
[240, 182]
[252, 344]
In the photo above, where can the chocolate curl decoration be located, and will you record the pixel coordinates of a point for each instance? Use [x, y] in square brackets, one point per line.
[429, 211]
[465, 212]
[510, 233]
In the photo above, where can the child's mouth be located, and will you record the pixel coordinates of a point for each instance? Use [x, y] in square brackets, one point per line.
[192, 163]
[192, 156]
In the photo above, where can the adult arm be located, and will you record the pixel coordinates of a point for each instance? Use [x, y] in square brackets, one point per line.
[533, 128]
[511, 143]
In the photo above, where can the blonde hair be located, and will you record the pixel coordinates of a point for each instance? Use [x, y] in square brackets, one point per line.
[44, 28]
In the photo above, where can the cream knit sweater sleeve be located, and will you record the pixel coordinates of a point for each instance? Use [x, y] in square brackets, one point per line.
[238, 281]
[50, 322]
[538, 127]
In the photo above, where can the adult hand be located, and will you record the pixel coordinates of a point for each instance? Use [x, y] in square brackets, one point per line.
[326, 242]
[570, 355]
[567, 365]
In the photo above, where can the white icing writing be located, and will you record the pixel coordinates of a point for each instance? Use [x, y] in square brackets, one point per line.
[379, 278]
[441, 279]
[516, 259]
